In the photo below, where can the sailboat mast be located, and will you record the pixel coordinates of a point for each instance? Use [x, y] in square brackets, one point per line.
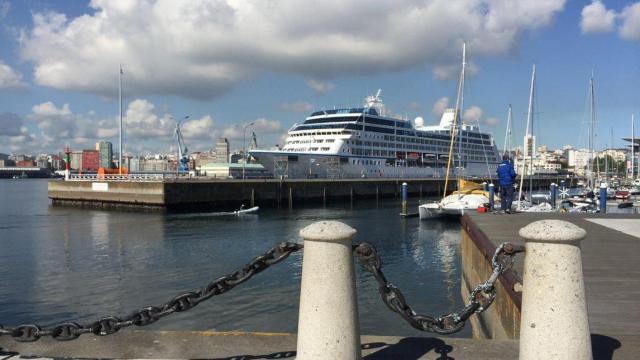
[529, 115]
[457, 122]
[633, 148]
[120, 126]
[464, 66]
[507, 135]
[591, 135]
[530, 120]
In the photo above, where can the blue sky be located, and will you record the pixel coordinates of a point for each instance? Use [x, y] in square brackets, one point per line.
[225, 64]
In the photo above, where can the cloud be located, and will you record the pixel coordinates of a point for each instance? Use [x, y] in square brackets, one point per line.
[452, 71]
[595, 18]
[296, 107]
[319, 86]
[260, 126]
[10, 79]
[439, 107]
[10, 124]
[415, 105]
[472, 114]
[203, 49]
[492, 121]
[630, 27]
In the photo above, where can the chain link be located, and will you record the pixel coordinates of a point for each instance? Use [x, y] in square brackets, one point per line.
[479, 299]
[148, 315]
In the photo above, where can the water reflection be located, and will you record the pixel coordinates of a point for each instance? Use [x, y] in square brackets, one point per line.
[79, 264]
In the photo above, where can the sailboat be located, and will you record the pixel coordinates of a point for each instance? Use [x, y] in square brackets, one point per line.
[470, 195]
[586, 201]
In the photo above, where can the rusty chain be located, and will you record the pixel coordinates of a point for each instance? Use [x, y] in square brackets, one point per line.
[148, 315]
[479, 300]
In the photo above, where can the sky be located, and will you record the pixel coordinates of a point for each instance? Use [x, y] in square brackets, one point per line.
[218, 65]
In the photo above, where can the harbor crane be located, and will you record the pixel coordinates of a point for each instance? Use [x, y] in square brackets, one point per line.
[183, 152]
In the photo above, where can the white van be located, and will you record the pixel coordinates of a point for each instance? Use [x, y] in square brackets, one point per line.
[636, 182]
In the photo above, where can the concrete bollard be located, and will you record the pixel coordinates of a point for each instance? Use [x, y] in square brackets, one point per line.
[404, 197]
[328, 320]
[492, 196]
[554, 323]
[603, 198]
[485, 186]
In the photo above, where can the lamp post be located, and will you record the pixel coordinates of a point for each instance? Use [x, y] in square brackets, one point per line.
[244, 147]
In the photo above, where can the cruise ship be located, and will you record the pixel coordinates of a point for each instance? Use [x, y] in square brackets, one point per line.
[365, 142]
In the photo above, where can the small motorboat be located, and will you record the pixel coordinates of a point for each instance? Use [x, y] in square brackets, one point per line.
[243, 211]
[624, 205]
[622, 194]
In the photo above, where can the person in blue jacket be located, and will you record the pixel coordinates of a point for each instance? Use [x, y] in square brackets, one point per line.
[506, 175]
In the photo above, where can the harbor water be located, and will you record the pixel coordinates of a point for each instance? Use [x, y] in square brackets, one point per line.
[70, 264]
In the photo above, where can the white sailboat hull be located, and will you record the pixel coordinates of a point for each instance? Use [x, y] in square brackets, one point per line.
[452, 205]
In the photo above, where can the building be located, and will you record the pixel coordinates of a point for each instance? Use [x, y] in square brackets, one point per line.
[7, 163]
[530, 146]
[106, 154]
[235, 171]
[90, 160]
[222, 150]
[76, 160]
[25, 163]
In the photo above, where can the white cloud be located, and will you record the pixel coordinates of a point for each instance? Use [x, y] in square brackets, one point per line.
[472, 114]
[260, 127]
[5, 8]
[296, 106]
[492, 121]
[415, 105]
[10, 79]
[439, 107]
[200, 129]
[595, 18]
[202, 49]
[630, 27]
[319, 86]
[452, 71]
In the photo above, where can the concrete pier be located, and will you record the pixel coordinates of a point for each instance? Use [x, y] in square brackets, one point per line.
[610, 254]
[244, 345]
[207, 194]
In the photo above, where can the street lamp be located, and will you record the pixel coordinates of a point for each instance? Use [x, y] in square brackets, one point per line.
[244, 147]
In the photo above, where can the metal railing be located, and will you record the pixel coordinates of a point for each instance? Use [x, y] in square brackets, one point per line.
[123, 177]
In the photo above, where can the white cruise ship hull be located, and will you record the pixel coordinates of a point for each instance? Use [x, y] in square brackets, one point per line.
[309, 165]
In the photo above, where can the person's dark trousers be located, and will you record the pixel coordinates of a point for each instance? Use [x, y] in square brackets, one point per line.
[506, 197]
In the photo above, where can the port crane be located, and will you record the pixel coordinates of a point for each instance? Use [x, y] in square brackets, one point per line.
[183, 152]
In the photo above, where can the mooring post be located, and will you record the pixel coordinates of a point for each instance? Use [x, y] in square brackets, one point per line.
[377, 193]
[554, 323]
[328, 319]
[603, 198]
[492, 195]
[253, 197]
[324, 196]
[554, 194]
[404, 197]
[485, 186]
[290, 198]
[351, 194]
[421, 191]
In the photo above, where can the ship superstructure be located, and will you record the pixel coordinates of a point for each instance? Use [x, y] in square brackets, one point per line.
[367, 142]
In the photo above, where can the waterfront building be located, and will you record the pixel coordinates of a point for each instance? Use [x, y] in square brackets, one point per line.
[106, 154]
[90, 160]
[76, 160]
[222, 150]
[530, 145]
[578, 159]
[7, 163]
[234, 171]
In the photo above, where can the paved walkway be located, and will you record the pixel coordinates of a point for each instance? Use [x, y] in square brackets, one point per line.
[244, 346]
[611, 266]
